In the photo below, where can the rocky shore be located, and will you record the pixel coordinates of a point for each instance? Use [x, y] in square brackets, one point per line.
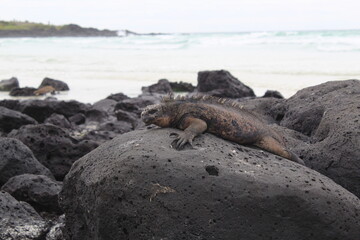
[27, 29]
[70, 170]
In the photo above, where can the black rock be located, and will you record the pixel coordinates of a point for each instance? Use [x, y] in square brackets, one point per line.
[129, 117]
[135, 105]
[11, 104]
[40, 191]
[22, 92]
[273, 94]
[117, 97]
[105, 105]
[16, 159]
[222, 84]
[57, 84]
[161, 87]
[182, 87]
[138, 187]
[96, 115]
[53, 146]
[10, 119]
[9, 84]
[19, 220]
[58, 120]
[42, 109]
[77, 119]
[56, 231]
[329, 114]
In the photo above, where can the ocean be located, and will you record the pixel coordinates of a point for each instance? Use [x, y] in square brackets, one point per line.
[94, 68]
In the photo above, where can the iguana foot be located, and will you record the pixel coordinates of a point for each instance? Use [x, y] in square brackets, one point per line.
[181, 140]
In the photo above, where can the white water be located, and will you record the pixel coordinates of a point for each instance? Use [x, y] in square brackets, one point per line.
[97, 67]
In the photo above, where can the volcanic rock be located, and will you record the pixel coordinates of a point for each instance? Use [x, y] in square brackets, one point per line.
[53, 146]
[182, 87]
[138, 187]
[39, 191]
[9, 84]
[57, 84]
[58, 120]
[18, 220]
[16, 158]
[222, 84]
[273, 94]
[22, 92]
[329, 114]
[161, 87]
[10, 119]
[117, 97]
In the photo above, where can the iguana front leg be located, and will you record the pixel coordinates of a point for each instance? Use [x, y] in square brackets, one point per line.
[192, 128]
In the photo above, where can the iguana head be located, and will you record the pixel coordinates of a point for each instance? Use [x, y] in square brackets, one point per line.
[156, 114]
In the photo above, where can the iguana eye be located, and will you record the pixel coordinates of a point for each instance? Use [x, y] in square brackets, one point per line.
[152, 111]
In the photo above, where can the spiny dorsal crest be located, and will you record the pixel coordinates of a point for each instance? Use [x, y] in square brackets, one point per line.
[203, 98]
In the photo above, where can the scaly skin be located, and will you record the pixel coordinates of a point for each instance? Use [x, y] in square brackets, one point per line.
[220, 117]
[44, 90]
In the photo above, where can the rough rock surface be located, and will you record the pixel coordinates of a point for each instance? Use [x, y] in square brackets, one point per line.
[329, 114]
[53, 146]
[19, 221]
[135, 105]
[56, 231]
[222, 84]
[16, 158]
[138, 187]
[58, 120]
[10, 119]
[272, 93]
[22, 92]
[117, 97]
[57, 84]
[40, 191]
[182, 87]
[9, 84]
[161, 87]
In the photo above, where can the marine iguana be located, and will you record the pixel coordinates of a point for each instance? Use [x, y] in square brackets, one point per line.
[222, 117]
[44, 90]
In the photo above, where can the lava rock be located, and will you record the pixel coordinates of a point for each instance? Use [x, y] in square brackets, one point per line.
[53, 146]
[58, 120]
[78, 119]
[222, 84]
[329, 114]
[138, 187]
[57, 84]
[18, 220]
[105, 105]
[40, 191]
[16, 159]
[273, 94]
[42, 109]
[129, 117]
[56, 231]
[9, 84]
[117, 97]
[135, 105]
[10, 119]
[22, 92]
[182, 87]
[10, 104]
[161, 87]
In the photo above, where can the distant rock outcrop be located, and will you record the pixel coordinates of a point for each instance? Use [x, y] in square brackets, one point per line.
[9, 84]
[57, 84]
[222, 84]
[43, 30]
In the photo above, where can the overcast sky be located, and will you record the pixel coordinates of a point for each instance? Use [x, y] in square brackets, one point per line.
[189, 15]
